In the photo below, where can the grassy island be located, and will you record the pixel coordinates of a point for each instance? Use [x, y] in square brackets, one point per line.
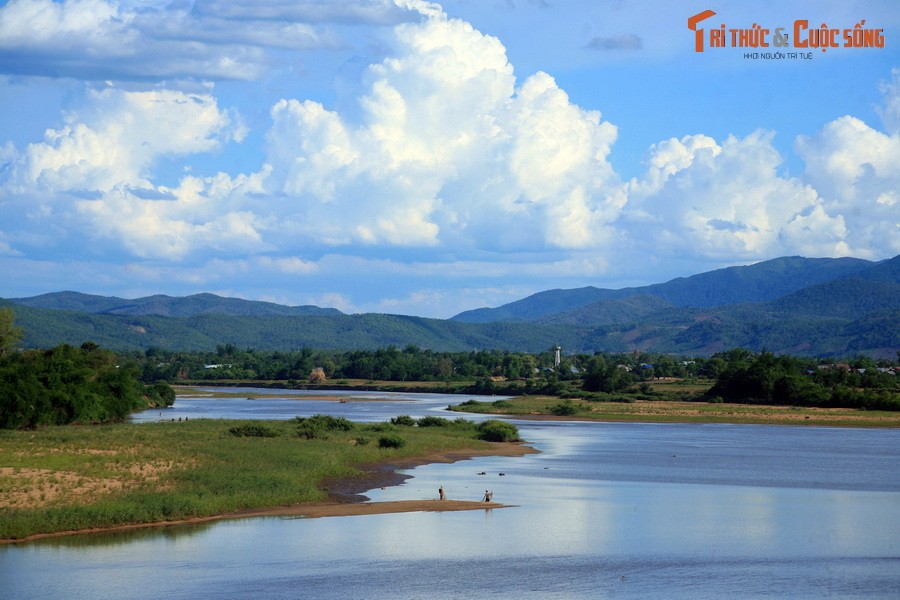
[675, 411]
[70, 478]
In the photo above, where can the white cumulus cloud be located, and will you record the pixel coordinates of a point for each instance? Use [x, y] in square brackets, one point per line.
[444, 155]
[119, 137]
[702, 198]
[446, 149]
[856, 169]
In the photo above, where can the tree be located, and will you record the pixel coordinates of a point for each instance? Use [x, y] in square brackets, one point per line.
[9, 333]
[605, 377]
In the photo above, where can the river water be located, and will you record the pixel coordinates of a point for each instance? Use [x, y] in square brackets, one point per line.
[606, 510]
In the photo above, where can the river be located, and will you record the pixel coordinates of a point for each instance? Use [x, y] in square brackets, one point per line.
[606, 510]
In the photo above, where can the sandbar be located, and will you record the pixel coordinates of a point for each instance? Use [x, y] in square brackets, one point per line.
[345, 495]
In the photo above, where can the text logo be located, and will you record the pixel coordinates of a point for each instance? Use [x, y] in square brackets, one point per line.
[800, 35]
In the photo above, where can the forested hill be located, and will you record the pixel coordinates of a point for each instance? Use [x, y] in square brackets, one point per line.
[47, 327]
[168, 306]
[832, 307]
[761, 282]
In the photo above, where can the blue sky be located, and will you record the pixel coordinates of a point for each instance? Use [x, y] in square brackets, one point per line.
[423, 158]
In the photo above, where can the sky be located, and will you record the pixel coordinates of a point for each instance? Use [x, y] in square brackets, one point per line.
[412, 157]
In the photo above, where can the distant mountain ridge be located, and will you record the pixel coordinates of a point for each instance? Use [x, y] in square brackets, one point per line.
[760, 282]
[167, 306]
[821, 307]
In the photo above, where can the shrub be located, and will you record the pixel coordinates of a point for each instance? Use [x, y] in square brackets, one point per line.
[564, 409]
[326, 422]
[493, 430]
[309, 432]
[379, 427]
[716, 400]
[253, 431]
[404, 420]
[164, 392]
[432, 421]
[318, 426]
[391, 441]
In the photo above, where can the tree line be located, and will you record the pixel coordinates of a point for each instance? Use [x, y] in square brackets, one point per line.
[65, 384]
[88, 384]
[410, 363]
[765, 378]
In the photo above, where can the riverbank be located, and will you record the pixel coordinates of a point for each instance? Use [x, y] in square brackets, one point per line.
[668, 406]
[65, 480]
[667, 411]
[305, 511]
[191, 391]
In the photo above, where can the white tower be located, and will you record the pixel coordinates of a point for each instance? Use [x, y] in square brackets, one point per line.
[556, 356]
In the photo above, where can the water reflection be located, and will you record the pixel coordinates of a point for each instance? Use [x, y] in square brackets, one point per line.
[123, 537]
[607, 510]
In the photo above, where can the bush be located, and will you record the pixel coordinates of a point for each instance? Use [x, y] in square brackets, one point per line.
[498, 431]
[379, 427]
[431, 421]
[391, 441]
[564, 409]
[326, 422]
[253, 431]
[309, 431]
[318, 426]
[404, 420]
[164, 392]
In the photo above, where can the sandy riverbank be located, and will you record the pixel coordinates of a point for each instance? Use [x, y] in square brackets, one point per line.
[199, 392]
[345, 496]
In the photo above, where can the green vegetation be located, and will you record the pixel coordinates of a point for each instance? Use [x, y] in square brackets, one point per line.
[75, 477]
[9, 333]
[784, 380]
[253, 430]
[564, 409]
[810, 307]
[72, 385]
[661, 410]
[498, 431]
[391, 441]
[320, 426]
[858, 393]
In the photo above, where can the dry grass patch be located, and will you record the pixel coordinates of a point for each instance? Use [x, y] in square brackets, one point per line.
[41, 488]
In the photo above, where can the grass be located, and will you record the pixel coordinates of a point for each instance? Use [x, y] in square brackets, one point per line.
[78, 477]
[667, 410]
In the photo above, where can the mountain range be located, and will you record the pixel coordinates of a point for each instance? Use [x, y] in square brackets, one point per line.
[807, 306]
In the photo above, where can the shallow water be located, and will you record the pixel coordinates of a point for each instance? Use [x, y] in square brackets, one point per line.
[606, 510]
